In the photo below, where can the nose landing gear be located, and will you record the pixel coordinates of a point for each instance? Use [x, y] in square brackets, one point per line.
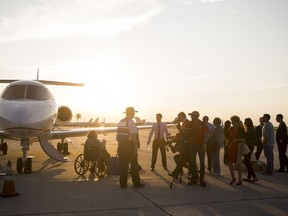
[24, 164]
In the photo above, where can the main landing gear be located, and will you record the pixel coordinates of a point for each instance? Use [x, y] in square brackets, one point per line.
[3, 147]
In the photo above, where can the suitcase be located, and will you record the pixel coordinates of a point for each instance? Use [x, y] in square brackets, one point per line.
[113, 168]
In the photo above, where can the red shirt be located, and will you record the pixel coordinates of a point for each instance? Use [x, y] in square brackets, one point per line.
[198, 130]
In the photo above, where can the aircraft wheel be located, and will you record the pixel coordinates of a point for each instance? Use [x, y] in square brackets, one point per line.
[28, 168]
[81, 166]
[101, 166]
[19, 165]
[59, 147]
[65, 148]
[4, 148]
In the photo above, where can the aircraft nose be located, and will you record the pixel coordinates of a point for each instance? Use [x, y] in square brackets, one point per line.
[15, 116]
[19, 116]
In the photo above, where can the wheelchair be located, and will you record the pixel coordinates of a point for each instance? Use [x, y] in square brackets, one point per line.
[93, 160]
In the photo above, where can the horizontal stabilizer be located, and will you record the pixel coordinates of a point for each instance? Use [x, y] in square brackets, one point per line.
[49, 149]
[48, 82]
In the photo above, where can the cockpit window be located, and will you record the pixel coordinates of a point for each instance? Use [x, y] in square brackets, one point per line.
[14, 92]
[32, 92]
[36, 93]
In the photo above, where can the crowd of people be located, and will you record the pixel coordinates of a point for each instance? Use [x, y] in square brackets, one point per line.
[197, 137]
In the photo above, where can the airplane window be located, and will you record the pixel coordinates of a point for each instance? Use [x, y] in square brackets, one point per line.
[36, 93]
[14, 92]
[50, 94]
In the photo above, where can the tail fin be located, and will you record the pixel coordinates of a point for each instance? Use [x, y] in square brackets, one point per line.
[37, 78]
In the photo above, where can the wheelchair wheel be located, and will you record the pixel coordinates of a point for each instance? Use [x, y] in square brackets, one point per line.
[81, 166]
[101, 166]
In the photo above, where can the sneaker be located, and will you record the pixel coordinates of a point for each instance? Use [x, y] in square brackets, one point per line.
[123, 186]
[280, 170]
[152, 169]
[202, 183]
[140, 185]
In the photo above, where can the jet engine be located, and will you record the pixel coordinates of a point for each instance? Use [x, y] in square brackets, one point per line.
[64, 115]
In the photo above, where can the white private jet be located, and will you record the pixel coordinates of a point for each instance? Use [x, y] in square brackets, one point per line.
[28, 113]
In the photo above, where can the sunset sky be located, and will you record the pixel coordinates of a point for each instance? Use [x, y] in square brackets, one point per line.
[220, 57]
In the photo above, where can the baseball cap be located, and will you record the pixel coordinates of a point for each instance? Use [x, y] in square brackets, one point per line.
[195, 113]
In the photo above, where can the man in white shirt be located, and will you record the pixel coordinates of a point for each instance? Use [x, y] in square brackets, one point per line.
[127, 149]
[268, 143]
[206, 137]
[161, 132]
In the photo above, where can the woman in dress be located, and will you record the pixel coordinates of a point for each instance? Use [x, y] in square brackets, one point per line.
[237, 136]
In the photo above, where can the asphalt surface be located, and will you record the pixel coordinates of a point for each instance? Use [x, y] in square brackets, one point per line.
[54, 188]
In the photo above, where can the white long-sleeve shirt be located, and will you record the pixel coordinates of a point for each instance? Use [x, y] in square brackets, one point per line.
[163, 131]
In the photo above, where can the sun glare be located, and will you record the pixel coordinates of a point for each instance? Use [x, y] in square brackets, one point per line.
[107, 87]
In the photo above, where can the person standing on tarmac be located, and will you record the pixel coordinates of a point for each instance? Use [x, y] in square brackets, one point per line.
[127, 149]
[161, 133]
[197, 147]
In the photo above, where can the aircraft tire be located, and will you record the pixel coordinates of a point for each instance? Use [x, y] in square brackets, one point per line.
[19, 165]
[28, 168]
[59, 147]
[65, 148]
[4, 148]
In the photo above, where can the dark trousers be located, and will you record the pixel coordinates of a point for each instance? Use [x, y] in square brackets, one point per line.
[226, 150]
[258, 151]
[282, 147]
[200, 150]
[181, 161]
[158, 144]
[126, 157]
[247, 162]
[209, 158]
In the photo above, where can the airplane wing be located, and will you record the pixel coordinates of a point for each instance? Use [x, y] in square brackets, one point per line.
[49, 149]
[76, 132]
[4, 135]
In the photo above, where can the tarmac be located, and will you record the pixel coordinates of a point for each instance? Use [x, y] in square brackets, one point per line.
[54, 188]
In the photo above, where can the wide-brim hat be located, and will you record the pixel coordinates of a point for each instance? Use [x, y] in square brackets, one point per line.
[130, 109]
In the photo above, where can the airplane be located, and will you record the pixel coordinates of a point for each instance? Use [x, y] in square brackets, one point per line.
[144, 122]
[139, 121]
[79, 123]
[28, 113]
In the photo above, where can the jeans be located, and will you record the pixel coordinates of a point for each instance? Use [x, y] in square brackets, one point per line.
[200, 150]
[216, 161]
[268, 152]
